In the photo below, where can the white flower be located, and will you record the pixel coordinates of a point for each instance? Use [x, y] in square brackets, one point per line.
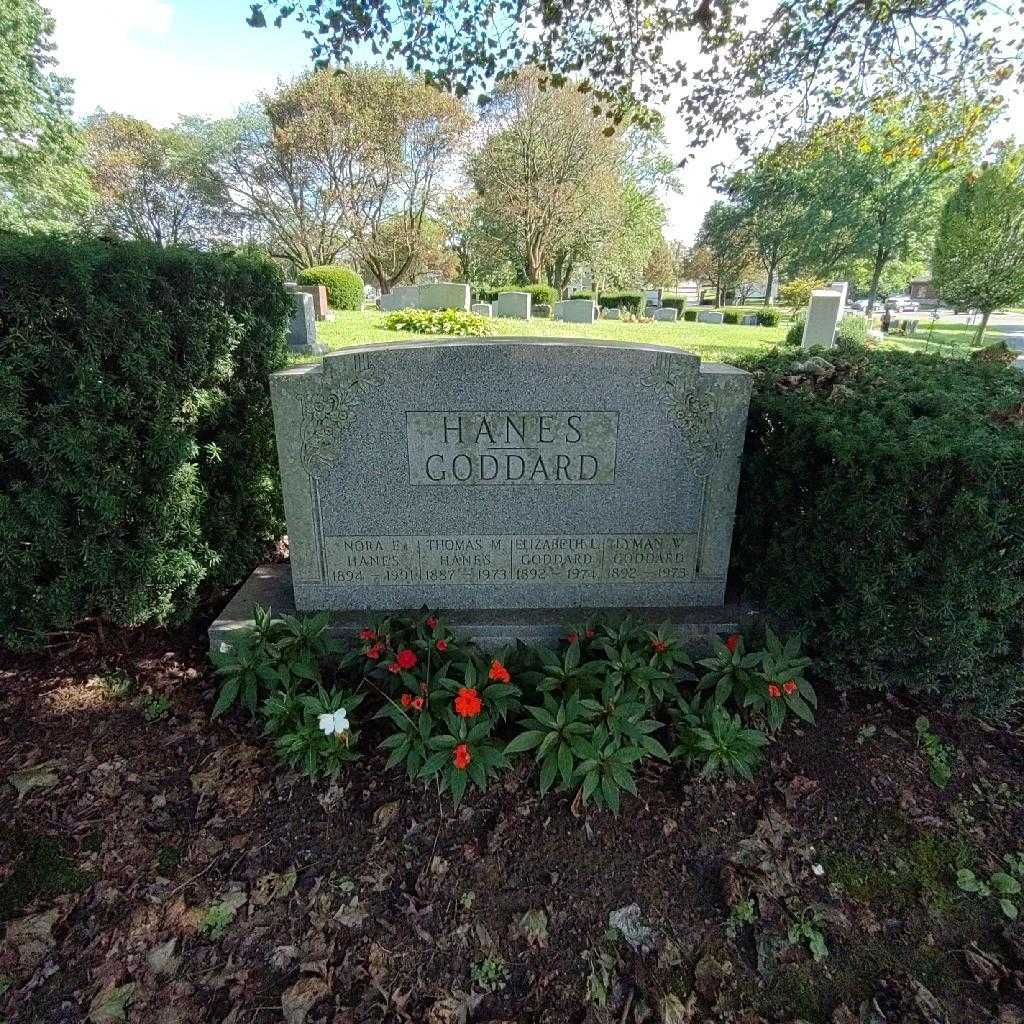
[225, 647]
[818, 869]
[334, 723]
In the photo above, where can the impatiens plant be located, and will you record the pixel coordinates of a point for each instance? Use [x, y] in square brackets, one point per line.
[781, 687]
[606, 768]
[731, 672]
[314, 734]
[719, 742]
[248, 675]
[555, 732]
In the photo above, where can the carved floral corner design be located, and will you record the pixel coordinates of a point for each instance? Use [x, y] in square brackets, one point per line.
[327, 410]
[700, 408]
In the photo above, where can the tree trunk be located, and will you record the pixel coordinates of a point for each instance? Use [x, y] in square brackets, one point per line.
[881, 258]
[772, 270]
[981, 327]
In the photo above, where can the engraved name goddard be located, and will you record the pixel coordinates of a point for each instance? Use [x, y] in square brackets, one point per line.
[551, 447]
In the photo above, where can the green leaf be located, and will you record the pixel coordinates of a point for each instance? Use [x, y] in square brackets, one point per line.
[1004, 884]
[228, 693]
[547, 773]
[524, 741]
[1008, 909]
[565, 762]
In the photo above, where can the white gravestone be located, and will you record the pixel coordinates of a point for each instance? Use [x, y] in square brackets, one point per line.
[513, 305]
[482, 309]
[749, 319]
[822, 318]
[842, 287]
[613, 313]
[666, 313]
[576, 311]
[710, 316]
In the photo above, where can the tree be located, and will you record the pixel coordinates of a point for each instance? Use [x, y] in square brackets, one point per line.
[157, 184]
[795, 61]
[660, 269]
[979, 250]
[43, 181]
[725, 249]
[345, 164]
[546, 174]
[887, 172]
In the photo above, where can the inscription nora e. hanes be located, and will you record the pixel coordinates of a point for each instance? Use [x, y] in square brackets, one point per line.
[506, 473]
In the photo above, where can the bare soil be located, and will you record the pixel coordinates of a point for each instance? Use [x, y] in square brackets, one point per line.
[158, 868]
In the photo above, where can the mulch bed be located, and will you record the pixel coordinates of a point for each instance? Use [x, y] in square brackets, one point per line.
[156, 867]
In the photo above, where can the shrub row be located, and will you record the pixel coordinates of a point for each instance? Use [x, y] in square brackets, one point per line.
[766, 315]
[632, 302]
[880, 507]
[455, 322]
[540, 293]
[344, 286]
[136, 441]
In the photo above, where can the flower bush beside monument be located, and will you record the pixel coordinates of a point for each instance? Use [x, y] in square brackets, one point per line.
[613, 695]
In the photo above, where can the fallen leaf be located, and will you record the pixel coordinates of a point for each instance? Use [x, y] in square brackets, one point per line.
[384, 815]
[161, 959]
[675, 1011]
[301, 998]
[40, 776]
[273, 887]
[351, 915]
[111, 1003]
[31, 938]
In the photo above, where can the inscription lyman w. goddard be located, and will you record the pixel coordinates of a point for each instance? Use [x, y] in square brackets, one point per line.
[473, 448]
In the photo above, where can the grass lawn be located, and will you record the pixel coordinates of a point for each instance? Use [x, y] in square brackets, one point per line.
[714, 342]
[945, 338]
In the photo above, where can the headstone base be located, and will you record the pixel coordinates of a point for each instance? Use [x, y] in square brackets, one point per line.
[270, 586]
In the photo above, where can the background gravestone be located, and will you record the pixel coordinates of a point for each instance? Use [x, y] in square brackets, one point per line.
[515, 305]
[613, 313]
[302, 326]
[404, 296]
[576, 311]
[317, 292]
[443, 296]
[482, 309]
[666, 313]
[822, 318]
[710, 316]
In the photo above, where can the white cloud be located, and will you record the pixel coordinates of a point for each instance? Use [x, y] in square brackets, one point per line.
[122, 58]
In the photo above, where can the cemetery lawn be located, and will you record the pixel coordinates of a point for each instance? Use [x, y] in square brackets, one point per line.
[715, 342]
[156, 867]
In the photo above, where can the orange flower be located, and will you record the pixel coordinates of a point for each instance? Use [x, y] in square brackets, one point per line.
[417, 703]
[660, 646]
[773, 690]
[498, 672]
[461, 756]
[442, 645]
[789, 687]
[468, 703]
[406, 700]
[733, 642]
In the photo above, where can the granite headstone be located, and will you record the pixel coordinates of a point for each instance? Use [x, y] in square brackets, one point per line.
[576, 311]
[443, 296]
[515, 305]
[302, 326]
[667, 313]
[405, 296]
[482, 309]
[612, 313]
[822, 318]
[710, 316]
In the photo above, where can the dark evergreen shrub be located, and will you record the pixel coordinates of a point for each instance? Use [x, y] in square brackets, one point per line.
[544, 294]
[690, 314]
[344, 286]
[631, 301]
[674, 302]
[881, 507]
[768, 317]
[138, 469]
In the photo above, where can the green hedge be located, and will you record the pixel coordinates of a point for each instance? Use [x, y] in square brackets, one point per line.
[344, 286]
[882, 509]
[542, 293]
[631, 301]
[136, 439]
[768, 317]
[674, 302]
[690, 314]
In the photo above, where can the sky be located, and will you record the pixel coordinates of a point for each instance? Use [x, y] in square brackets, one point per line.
[158, 59]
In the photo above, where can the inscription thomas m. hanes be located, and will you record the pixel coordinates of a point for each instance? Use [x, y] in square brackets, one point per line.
[472, 448]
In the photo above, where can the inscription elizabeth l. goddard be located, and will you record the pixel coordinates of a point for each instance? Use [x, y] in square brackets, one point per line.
[533, 448]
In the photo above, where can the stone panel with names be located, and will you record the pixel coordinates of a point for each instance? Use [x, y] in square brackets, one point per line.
[506, 473]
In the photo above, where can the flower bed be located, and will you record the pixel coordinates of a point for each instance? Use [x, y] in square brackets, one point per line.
[613, 695]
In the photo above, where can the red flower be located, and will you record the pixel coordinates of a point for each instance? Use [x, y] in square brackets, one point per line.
[394, 668]
[660, 646]
[789, 687]
[406, 659]
[732, 642]
[417, 703]
[498, 672]
[572, 638]
[406, 700]
[367, 634]
[375, 651]
[468, 703]
[461, 756]
[442, 645]
[590, 634]
[432, 623]
[773, 690]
